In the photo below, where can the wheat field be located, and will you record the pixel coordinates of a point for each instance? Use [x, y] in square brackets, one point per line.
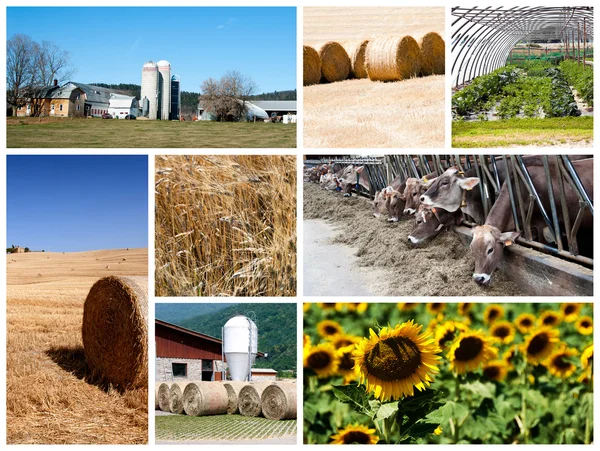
[361, 113]
[225, 225]
[51, 398]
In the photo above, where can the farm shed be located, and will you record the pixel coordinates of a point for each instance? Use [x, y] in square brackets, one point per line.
[121, 106]
[279, 107]
[183, 354]
[252, 112]
[18, 250]
[484, 37]
[264, 374]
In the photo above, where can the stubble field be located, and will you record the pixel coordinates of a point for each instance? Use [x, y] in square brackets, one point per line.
[51, 397]
[361, 113]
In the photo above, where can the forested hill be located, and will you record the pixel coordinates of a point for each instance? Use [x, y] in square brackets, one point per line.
[174, 313]
[276, 330]
[277, 95]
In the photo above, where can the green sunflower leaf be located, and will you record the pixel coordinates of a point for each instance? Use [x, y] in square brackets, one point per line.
[353, 395]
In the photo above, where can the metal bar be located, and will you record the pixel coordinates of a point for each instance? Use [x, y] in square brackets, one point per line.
[579, 186]
[511, 195]
[413, 167]
[551, 250]
[496, 175]
[553, 210]
[488, 175]
[563, 202]
[484, 199]
[520, 198]
[429, 171]
[576, 225]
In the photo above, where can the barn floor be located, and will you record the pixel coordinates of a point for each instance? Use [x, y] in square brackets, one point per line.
[441, 267]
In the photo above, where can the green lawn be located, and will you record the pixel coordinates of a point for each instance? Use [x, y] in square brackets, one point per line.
[576, 131]
[66, 132]
[221, 427]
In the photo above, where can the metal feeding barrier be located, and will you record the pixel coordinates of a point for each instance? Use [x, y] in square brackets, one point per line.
[524, 197]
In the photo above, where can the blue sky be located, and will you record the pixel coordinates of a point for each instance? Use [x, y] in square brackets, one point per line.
[65, 203]
[110, 44]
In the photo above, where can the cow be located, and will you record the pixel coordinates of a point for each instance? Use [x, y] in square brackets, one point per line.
[430, 221]
[413, 191]
[490, 239]
[351, 176]
[381, 201]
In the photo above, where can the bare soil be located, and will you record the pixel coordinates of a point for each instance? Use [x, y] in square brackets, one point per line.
[440, 267]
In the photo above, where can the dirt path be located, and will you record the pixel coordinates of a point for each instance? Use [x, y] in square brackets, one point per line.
[441, 267]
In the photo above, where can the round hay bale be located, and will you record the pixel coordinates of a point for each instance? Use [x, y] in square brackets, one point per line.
[393, 59]
[156, 405]
[233, 392]
[433, 54]
[312, 66]
[249, 398]
[356, 51]
[335, 63]
[176, 397]
[164, 395]
[205, 398]
[278, 401]
[115, 330]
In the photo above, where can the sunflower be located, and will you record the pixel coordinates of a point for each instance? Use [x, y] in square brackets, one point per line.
[525, 322]
[496, 370]
[436, 307]
[503, 331]
[464, 308]
[341, 340]
[587, 357]
[346, 363]
[446, 332]
[570, 310]
[438, 430]
[407, 306]
[585, 325]
[322, 359]
[355, 433]
[359, 307]
[558, 363]
[549, 318]
[306, 307]
[326, 306]
[307, 340]
[492, 313]
[470, 350]
[396, 361]
[539, 344]
[510, 355]
[329, 328]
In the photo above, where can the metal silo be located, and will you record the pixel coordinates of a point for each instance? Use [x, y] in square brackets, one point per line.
[175, 97]
[164, 89]
[150, 88]
[240, 346]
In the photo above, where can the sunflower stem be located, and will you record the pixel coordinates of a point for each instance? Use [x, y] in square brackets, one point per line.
[524, 404]
[456, 399]
[588, 423]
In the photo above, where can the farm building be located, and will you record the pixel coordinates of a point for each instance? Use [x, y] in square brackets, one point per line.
[279, 107]
[183, 354]
[253, 112]
[120, 106]
[161, 97]
[18, 250]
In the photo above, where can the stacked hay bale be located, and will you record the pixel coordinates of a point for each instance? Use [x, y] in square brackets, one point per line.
[312, 66]
[233, 393]
[205, 398]
[278, 401]
[176, 397]
[393, 59]
[433, 54]
[164, 396]
[356, 52]
[335, 63]
[249, 399]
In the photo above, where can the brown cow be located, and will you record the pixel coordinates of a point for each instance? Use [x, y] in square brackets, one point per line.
[430, 221]
[351, 176]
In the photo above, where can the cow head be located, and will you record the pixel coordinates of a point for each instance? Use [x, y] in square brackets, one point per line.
[429, 222]
[381, 202]
[412, 193]
[487, 247]
[395, 205]
[348, 178]
[446, 191]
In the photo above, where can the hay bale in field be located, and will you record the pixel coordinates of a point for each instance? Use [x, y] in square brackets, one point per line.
[433, 54]
[249, 398]
[278, 401]
[115, 330]
[393, 59]
[233, 392]
[156, 405]
[176, 397]
[164, 396]
[356, 52]
[335, 63]
[312, 66]
[205, 398]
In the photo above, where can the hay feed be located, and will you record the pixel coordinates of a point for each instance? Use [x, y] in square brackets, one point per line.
[176, 397]
[249, 398]
[233, 392]
[356, 52]
[335, 63]
[433, 54]
[205, 398]
[278, 401]
[115, 330]
[312, 66]
[164, 395]
[393, 59]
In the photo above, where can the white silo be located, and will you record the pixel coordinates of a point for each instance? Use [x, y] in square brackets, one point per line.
[240, 345]
[150, 88]
[164, 89]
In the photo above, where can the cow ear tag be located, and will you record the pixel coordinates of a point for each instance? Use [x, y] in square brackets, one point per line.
[425, 180]
[508, 243]
[433, 210]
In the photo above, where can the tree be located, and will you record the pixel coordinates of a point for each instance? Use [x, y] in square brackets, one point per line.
[52, 63]
[21, 53]
[27, 249]
[226, 98]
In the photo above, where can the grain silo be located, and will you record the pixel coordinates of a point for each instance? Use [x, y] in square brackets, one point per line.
[175, 97]
[164, 88]
[240, 346]
[150, 89]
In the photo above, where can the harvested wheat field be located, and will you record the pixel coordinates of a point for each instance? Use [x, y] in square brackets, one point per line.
[52, 395]
[225, 225]
[358, 112]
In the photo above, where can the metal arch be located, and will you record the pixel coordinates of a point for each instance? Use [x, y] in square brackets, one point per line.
[482, 38]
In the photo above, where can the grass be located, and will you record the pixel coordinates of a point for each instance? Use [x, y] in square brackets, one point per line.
[77, 133]
[365, 114]
[51, 396]
[225, 225]
[221, 427]
[560, 131]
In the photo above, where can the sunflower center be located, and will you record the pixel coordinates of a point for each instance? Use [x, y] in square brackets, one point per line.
[560, 363]
[491, 372]
[493, 314]
[343, 343]
[346, 362]
[569, 309]
[537, 344]
[468, 349]
[585, 324]
[526, 322]
[549, 320]
[436, 306]
[502, 332]
[449, 335]
[319, 360]
[393, 359]
[330, 330]
[356, 437]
